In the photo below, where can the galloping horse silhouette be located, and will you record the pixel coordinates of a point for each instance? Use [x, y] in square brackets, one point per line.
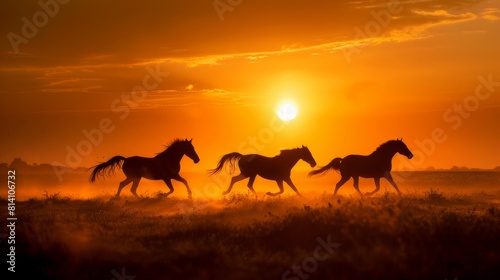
[276, 168]
[376, 165]
[164, 166]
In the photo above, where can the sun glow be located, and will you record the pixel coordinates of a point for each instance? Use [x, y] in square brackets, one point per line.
[287, 111]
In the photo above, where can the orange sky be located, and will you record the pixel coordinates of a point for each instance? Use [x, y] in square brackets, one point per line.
[361, 73]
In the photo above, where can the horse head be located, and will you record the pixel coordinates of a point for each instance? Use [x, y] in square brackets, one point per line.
[403, 149]
[306, 156]
[189, 151]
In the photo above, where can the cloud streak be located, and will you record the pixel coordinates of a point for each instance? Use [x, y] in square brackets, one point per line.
[111, 36]
[110, 46]
[492, 14]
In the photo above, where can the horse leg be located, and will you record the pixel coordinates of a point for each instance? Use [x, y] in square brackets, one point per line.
[356, 185]
[168, 182]
[377, 187]
[290, 183]
[135, 184]
[122, 185]
[280, 185]
[234, 180]
[340, 183]
[250, 184]
[388, 176]
[182, 180]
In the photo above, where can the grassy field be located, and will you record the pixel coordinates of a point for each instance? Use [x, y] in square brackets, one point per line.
[425, 235]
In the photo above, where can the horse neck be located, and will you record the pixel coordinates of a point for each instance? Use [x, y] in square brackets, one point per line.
[385, 154]
[171, 156]
[290, 159]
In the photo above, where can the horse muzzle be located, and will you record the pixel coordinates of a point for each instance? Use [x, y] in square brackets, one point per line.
[410, 156]
[196, 160]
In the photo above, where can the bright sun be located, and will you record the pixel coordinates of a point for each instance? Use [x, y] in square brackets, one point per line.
[287, 111]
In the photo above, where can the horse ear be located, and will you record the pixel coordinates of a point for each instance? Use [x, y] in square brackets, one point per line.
[303, 146]
[191, 140]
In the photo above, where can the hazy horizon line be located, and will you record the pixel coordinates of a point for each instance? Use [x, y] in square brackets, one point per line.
[458, 168]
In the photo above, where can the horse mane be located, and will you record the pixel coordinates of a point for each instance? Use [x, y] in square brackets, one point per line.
[171, 145]
[287, 151]
[385, 145]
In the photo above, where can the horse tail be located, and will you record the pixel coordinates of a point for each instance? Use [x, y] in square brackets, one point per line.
[334, 164]
[231, 157]
[110, 165]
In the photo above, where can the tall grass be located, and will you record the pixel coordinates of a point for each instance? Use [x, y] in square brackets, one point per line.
[429, 236]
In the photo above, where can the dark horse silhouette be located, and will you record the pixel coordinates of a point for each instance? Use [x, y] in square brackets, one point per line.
[376, 165]
[276, 168]
[164, 166]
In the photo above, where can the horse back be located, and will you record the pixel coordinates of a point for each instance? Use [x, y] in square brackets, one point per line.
[266, 167]
[149, 168]
[253, 160]
[364, 166]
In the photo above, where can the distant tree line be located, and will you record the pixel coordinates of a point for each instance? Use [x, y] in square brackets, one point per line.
[22, 166]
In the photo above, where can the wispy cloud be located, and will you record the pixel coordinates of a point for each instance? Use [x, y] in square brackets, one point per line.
[492, 14]
[437, 17]
[283, 26]
[84, 60]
